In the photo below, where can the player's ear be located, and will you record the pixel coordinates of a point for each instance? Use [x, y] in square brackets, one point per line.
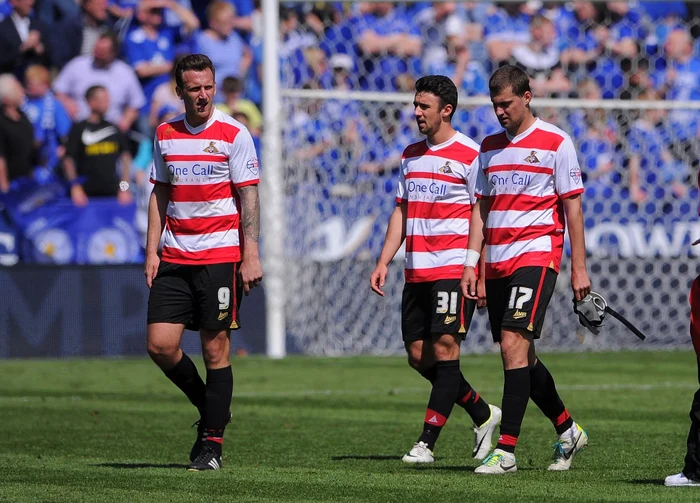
[446, 112]
[527, 98]
[178, 91]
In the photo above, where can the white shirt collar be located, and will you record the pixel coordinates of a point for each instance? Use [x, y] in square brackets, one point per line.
[21, 24]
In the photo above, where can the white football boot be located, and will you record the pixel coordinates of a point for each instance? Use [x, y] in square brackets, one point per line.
[497, 463]
[484, 433]
[419, 454]
[570, 443]
[680, 480]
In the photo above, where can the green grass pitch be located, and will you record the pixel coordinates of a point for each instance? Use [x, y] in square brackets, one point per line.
[324, 429]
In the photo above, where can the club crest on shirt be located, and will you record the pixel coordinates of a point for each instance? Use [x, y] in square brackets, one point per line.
[446, 168]
[532, 158]
[575, 174]
[211, 149]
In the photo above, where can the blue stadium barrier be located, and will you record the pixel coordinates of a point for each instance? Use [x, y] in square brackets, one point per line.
[94, 311]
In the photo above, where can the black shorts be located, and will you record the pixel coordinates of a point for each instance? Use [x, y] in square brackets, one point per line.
[199, 296]
[519, 301]
[434, 307]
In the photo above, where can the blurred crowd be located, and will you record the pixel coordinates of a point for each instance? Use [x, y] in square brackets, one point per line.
[587, 50]
[84, 83]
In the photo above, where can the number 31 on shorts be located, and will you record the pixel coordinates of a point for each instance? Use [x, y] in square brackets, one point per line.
[445, 298]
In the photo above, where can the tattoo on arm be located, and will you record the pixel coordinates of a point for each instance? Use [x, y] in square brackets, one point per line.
[250, 212]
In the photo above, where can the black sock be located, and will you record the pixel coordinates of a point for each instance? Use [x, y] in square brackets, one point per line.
[471, 401]
[429, 374]
[185, 376]
[467, 398]
[516, 394]
[544, 393]
[218, 405]
[442, 399]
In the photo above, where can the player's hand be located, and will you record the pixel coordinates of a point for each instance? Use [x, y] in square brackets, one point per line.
[251, 273]
[151, 268]
[378, 278]
[481, 293]
[580, 284]
[469, 284]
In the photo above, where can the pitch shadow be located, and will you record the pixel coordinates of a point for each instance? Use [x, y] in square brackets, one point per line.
[647, 482]
[138, 466]
[366, 458]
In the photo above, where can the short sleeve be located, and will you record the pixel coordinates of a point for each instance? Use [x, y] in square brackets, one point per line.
[243, 161]
[159, 171]
[3, 146]
[74, 144]
[64, 80]
[635, 141]
[63, 121]
[481, 184]
[472, 175]
[567, 172]
[401, 192]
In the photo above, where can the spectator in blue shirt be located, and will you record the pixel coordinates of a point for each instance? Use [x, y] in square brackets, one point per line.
[469, 76]
[507, 27]
[150, 48]
[46, 113]
[680, 82]
[389, 45]
[227, 50]
[652, 167]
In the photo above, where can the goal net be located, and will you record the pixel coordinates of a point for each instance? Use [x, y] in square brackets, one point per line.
[347, 78]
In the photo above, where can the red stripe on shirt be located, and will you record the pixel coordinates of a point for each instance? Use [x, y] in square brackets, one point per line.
[571, 193]
[216, 132]
[435, 176]
[434, 273]
[522, 202]
[505, 268]
[539, 139]
[436, 243]
[194, 158]
[205, 192]
[202, 225]
[456, 151]
[441, 211]
[528, 168]
[506, 235]
[210, 256]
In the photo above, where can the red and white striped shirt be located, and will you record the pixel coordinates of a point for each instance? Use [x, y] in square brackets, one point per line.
[203, 166]
[437, 184]
[525, 179]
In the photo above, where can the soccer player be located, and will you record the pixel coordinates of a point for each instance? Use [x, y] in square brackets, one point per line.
[433, 204]
[529, 178]
[690, 475]
[205, 172]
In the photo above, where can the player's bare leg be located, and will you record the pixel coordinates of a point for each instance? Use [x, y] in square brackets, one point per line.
[164, 349]
[216, 347]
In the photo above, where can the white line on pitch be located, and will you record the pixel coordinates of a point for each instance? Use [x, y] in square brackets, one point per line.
[377, 391]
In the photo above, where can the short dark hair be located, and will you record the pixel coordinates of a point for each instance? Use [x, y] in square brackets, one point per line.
[113, 37]
[509, 76]
[232, 85]
[92, 90]
[196, 62]
[440, 86]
